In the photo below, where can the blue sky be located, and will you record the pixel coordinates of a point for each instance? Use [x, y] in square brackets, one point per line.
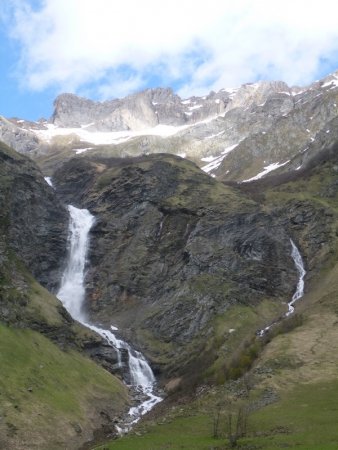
[107, 49]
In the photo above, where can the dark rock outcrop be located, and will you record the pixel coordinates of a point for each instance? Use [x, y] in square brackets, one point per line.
[34, 221]
[172, 249]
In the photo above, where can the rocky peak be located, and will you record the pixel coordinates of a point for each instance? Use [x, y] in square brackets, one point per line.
[257, 93]
[145, 109]
[15, 135]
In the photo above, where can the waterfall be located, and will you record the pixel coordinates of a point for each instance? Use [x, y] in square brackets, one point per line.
[299, 292]
[72, 295]
[301, 271]
[72, 290]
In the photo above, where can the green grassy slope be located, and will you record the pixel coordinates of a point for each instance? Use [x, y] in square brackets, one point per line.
[50, 398]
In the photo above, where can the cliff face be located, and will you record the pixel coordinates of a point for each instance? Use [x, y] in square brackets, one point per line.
[33, 219]
[172, 250]
[145, 109]
[47, 381]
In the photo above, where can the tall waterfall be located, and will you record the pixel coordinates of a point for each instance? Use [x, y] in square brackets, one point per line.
[299, 292]
[72, 290]
[72, 295]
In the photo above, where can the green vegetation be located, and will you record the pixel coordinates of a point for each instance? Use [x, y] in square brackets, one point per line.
[304, 418]
[44, 389]
[234, 341]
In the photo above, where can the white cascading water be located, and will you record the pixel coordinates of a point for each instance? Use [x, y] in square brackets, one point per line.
[296, 256]
[72, 294]
[297, 259]
[72, 290]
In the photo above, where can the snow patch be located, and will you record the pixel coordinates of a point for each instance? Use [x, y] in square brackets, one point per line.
[48, 180]
[82, 150]
[331, 83]
[266, 170]
[106, 137]
[215, 161]
[116, 137]
[191, 108]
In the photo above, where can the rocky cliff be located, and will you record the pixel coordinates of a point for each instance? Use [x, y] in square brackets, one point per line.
[172, 251]
[33, 219]
[138, 111]
[47, 381]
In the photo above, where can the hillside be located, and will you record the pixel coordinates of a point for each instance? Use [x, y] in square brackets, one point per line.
[290, 390]
[47, 381]
[177, 259]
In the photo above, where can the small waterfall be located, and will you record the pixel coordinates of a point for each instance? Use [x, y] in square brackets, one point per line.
[298, 261]
[72, 294]
[296, 256]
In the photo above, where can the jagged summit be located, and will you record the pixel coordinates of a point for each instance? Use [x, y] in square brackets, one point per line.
[239, 134]
[145, 109]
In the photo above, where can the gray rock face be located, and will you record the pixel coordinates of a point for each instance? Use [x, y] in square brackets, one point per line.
[283, 130]
[171, 250]
[35, 222]
[234, 134]
[138, 111]
[257, 125]
[15, 136]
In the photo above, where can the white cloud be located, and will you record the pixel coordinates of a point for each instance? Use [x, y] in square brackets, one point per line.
[119, 46]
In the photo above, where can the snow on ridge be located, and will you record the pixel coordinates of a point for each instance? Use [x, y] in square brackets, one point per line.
[266, 170]
[215, 161]
[333, 82]
[191, 108]
[113, 137]
[82, 150]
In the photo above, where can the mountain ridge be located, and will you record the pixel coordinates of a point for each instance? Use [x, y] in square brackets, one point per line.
[235, 134]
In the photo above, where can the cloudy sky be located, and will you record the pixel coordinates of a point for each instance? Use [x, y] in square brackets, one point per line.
[104, 49]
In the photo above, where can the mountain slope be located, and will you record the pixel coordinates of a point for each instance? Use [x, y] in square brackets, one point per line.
[291, 389]
[47, 382]
[177, 259]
